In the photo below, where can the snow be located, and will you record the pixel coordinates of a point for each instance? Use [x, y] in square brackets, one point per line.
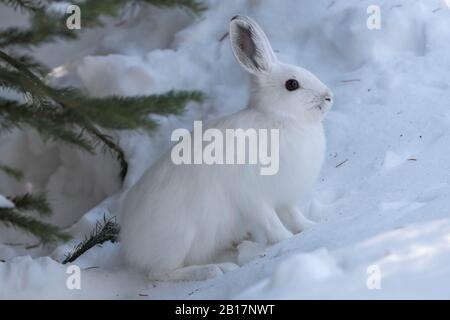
[381, 202]
[5, 203]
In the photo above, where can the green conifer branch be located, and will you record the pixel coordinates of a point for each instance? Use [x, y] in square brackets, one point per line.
[47, 233]
[194, 6]
[119, 113]
[16, 217]
[127, 113]
[12, 172]
[52, 124]
[66, 114]
[29, 202]
[106, 230]
[32, 5]
[47, 26]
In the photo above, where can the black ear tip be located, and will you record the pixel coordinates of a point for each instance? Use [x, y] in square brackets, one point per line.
[235, 17]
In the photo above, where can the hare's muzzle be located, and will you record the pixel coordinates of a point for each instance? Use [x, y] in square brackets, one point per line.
[328, 96]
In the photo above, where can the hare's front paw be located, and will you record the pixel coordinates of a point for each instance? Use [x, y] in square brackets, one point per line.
[278, 234]
[294, 219]
[268, 229]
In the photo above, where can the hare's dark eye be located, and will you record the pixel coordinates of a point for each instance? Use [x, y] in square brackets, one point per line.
[292, 85]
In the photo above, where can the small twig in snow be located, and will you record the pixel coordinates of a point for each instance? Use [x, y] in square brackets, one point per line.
[90, 268]
[224, 37]
[331, 4]
[396, 6]
[14, 244]
[32, 246]
[351, 80]
[342, 163]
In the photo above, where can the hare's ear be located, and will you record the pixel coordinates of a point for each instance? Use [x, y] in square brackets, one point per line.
[251, 46]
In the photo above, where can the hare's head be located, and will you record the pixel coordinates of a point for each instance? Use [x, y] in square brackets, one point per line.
[277, 87]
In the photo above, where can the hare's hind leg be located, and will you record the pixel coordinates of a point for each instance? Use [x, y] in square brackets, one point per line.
[294, 219]
[195, 273]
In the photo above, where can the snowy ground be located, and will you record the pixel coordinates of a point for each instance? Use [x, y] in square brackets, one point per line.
[382, 203]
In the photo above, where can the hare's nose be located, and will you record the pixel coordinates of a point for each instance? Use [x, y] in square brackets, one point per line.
[328, 96]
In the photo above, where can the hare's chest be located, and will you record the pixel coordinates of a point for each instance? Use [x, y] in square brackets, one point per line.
[301, 158]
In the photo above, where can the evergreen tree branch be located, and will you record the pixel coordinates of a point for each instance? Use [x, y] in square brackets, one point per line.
[28, 202]
[47, 26]
[67, 115]
[12, 172]
[32, 64]
[68, 109]
[106, 230]
[194, 6]
[127, 113]
[66, 99]
[32, 5]
[112, 146]
[19, 66]
[52, 124]
[47, 233]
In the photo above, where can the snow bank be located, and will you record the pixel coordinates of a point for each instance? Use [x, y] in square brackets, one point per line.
[408, 259]
[382, 199]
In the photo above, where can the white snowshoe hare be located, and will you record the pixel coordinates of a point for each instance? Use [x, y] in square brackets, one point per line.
[178, 218]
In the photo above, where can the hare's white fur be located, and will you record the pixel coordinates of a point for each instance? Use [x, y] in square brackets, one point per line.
[177, 218]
